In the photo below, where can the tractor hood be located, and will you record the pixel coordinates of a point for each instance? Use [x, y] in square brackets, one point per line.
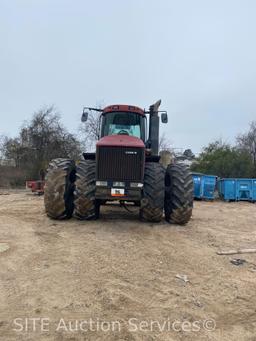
[120, 141]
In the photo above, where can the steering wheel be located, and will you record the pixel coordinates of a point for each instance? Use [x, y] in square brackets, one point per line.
[123, 132]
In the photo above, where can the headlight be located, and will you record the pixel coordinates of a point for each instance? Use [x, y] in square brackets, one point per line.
[118, 184]
[136, 185]
[101, 183]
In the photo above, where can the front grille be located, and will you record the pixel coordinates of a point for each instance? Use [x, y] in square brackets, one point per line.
[120, 163]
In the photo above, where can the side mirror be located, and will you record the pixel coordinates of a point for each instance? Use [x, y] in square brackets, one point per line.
[84, 117]
[164, 117]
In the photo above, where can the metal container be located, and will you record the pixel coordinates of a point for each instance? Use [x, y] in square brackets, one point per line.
[231, 189]
[204, 186]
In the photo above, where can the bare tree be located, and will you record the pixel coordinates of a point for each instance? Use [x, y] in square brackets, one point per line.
[40, 140]
[3, 140]
[89, 132]
[247, 141]
[165, 143]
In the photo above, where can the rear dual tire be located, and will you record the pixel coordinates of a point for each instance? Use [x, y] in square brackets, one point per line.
[169, 190]
[179, 190]
[86, 206]
[70, 190]
[152, 203]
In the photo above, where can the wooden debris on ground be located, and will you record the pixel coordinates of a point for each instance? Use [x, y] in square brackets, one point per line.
[234, 252]
[184, 278]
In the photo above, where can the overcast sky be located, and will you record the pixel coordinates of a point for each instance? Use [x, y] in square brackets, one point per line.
[198, 56]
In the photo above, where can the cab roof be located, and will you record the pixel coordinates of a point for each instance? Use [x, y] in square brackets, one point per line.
[124, 107]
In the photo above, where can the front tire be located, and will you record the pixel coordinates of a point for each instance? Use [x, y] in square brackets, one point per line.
[152, 203]
[179, 190]
[86, 206]
[59, 189]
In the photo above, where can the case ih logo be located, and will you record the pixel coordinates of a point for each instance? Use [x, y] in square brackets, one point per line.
[129, 152]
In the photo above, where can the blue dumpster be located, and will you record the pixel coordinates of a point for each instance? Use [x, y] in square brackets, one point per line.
[204, 186]
[237, 189]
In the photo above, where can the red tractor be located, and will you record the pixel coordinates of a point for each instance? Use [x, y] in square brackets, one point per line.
[125, 167]
[36, 186]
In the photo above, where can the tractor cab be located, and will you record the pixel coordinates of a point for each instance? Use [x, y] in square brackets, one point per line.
[119, 122]
[131, 121]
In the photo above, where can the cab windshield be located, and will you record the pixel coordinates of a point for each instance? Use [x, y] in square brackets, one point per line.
[124, 123]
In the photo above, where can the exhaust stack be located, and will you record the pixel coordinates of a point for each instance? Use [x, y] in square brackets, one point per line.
[154, 127]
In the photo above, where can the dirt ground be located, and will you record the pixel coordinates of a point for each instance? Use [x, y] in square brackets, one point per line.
[115, 278]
